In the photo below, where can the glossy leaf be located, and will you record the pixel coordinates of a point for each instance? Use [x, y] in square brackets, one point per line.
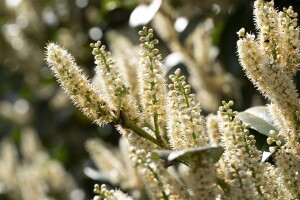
[185, 156]
[261, 122]
[259, 119]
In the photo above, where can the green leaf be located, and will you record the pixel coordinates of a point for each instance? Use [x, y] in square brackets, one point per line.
[155, 156]
[193, 154]
[260, 120]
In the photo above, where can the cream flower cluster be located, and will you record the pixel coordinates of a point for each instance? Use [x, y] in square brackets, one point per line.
[159, 183]
[186, 129]
[103, 193]
[112, 84]
[212, 124]
[127, 57]
[202, 181]
[234, 141]
[241, 156]
[288, 167]
[152, 82]
[270, 61]
[77, 86]
[185, 122]
[151, 78]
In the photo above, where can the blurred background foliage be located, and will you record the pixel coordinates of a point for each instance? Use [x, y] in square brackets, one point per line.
[32, 101]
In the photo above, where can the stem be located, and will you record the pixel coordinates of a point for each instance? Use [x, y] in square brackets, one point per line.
[157, 133]
[185, 96]
[225, 186]
[154, 101]
[104, 61]
[149, 126]
[156, 176]
[141, 132]
[187, 105]
[119, 109]
[165, 196]
[252, 168]
[240, 179]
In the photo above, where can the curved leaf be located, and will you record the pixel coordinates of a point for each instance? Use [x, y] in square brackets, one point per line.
[260, 119]
[262, 112]
[185, 156]
[261, 122]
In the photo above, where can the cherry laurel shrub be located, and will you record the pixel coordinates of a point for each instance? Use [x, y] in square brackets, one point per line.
[164, 126]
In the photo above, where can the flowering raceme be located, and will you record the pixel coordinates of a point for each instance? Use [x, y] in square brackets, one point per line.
[271, 60]
[77, 85]
[164, 126]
